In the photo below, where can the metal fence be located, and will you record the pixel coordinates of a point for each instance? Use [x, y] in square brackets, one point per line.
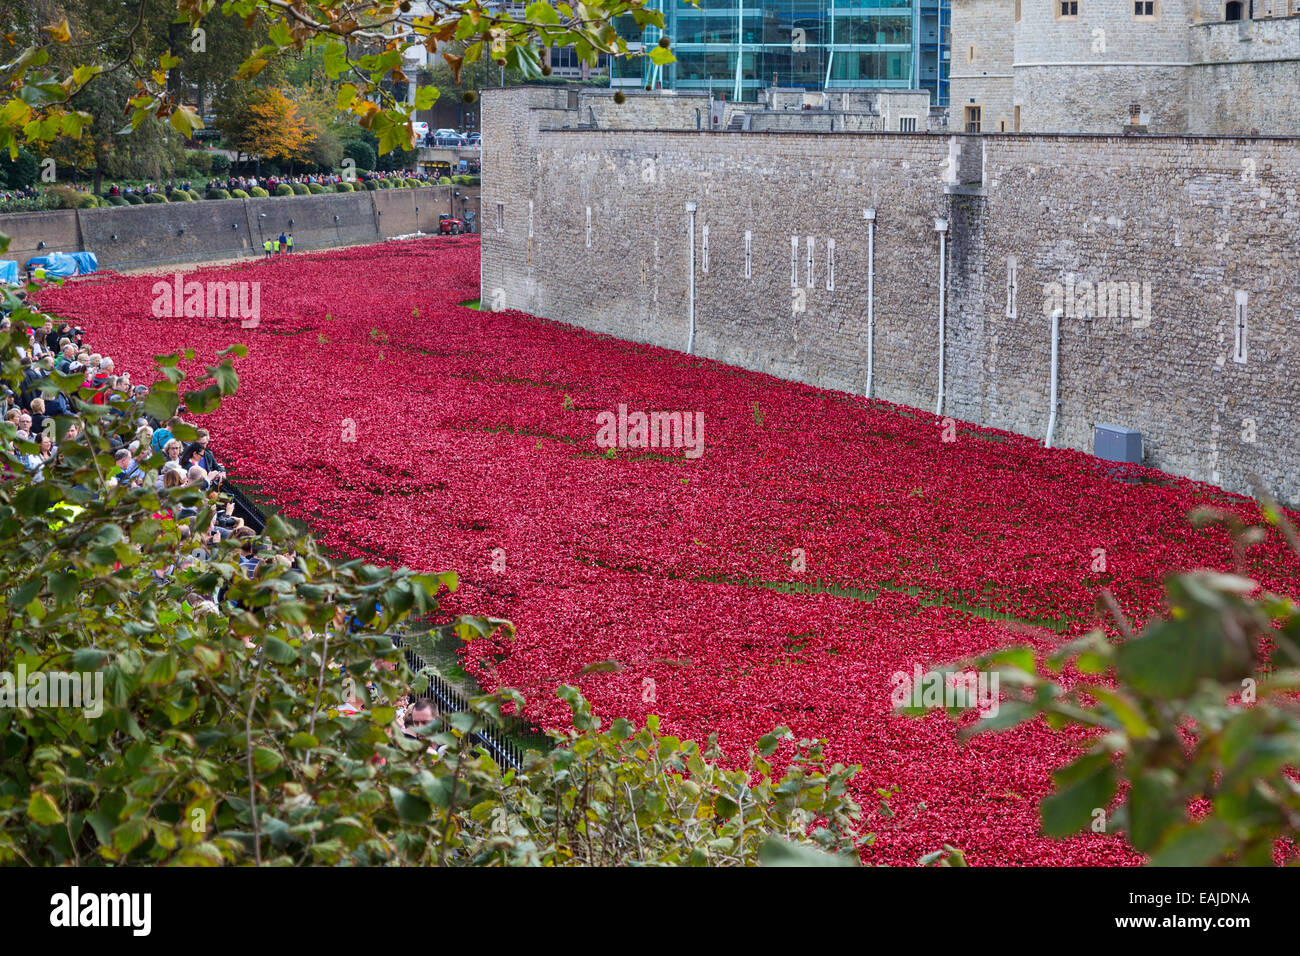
[448, 699]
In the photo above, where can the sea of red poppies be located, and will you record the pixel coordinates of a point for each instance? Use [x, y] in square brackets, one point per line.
[820, 543]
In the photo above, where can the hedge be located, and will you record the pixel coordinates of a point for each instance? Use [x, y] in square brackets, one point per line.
[257, 192]
[300, 189]
[371, 185]
[284, 189]
[217, 194]
[316, 189]
[444, 181]
[179, 195]
[343, 187]
[238, 194]
[117, 201]
[133, 199]
[155, 198]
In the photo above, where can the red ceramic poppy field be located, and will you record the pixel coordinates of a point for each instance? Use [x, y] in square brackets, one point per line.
[818, 544]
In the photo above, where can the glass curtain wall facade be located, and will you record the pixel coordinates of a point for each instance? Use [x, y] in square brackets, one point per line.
[725, 45]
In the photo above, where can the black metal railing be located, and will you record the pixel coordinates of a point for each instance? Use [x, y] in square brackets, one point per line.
[448, 699]
[492, 738]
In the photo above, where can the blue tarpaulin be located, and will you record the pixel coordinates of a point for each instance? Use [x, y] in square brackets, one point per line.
[8, 271]
[86, 263]
[56, 265]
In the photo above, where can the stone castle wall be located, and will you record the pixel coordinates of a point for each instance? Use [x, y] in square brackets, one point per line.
[1187, 224]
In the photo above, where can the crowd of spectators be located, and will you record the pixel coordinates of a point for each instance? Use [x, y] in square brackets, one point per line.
[151, 454]
[22, 192]
[148, 188]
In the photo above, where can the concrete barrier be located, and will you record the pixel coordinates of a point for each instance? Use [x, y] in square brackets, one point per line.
[58, 229]
[132, 237]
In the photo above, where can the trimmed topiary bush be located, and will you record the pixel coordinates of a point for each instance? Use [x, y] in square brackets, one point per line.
[238, 194]
[155, 198]
[371, 185]
[284, 189]
[178, 195]
[257, 192]
[300, 189]
[217, 194]
[65, 197]
[343, 187]
[444, 181]
[134, 199]
[117, 201]
[194, 193]
[316, 189]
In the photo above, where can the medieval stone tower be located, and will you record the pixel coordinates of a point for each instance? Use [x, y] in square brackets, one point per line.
[1210, 67]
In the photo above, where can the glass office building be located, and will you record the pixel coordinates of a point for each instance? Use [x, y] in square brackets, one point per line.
[736, 48]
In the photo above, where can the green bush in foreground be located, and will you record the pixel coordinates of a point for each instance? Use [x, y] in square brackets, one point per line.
[300, 189]
[1199, 709]
[258, 192]
[238, 194]
[179, 195]
[219, 737]
[343, 187]
[284, 189]
[155, 198]
[316, 189]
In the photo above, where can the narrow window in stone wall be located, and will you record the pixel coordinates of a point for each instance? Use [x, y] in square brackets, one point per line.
[501, 217]
[1012, 284]
[1017, 11]
[907, 124]
[830, 265]
[794, 262]
[1016, 119]
[970, 54]
[588, 227]
[1144, 9]
[1067, 9]
[704, 250]
[809, 281]
[1239, 338]
[530, 219]
[749, 270]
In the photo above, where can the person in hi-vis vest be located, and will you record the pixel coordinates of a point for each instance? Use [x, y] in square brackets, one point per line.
[289, 242]
[266, 246]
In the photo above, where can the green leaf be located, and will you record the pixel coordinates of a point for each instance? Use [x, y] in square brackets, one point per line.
[1193, 845]
[1152, 808]
[778, 852]
[1069, 810]
[661, 56]
[278, 651]
[425, 97]
[161, 404]
[42, 808]
[542, 12]
[1171, 658]
[410, 808]
[265, 759]
[160, 670]
[348, 93]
